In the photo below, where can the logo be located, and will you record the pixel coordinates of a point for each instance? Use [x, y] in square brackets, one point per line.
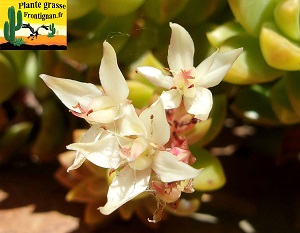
[33, 25]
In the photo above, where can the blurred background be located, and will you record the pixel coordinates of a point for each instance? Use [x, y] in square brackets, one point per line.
[250, 145]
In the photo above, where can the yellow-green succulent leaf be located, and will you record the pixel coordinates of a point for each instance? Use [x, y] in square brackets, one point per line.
[286, 15]
[279, 51]
[250, 67]
[252, 14]
[223, 32]
[212, 176]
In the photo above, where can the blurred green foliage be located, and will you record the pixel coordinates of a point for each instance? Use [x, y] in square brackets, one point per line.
[262, 88]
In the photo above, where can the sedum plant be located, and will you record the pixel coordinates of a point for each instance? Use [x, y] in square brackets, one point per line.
[144, 149]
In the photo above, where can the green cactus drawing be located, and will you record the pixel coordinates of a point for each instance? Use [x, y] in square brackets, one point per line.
[10, 27]
[53, 30]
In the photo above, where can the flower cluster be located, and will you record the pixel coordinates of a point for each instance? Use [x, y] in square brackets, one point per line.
[142, 148]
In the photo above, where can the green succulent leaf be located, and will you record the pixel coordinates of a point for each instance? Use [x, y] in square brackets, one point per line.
[8, 80]
[196, 11]
[250, 67]
[293, 90]
[212, 177]
[163, 11]
[90, 189]
[253, 104]
[223, 32]
[116, 31]
[46, 147]
[138, 42]
[140, 93]
[82, 27]
[79, 8]
[281, 104]
[119, 8]
[279, 51]
[286, 15]
[13, 139]
[252, 14]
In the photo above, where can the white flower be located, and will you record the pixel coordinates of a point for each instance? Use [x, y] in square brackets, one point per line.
[188, 82]
[88, 101]
[136, 155]
[100, 144]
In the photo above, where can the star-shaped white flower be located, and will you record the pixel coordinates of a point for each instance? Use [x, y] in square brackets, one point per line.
[88, 101]
[188, 82]
[137, 156]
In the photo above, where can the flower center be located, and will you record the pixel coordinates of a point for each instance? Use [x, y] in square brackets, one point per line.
[185, 78]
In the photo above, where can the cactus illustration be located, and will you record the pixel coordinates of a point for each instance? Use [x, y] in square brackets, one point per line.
[10, 27]
[53, 30]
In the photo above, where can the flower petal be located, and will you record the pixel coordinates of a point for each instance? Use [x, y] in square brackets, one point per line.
[200, 105]
[156, 77]
[204, 67]
[72, 92]
[103, 116]
[126, 185]
[129, 124]
[103, 152]
[211, 74]
[156, 124]
[112, 80]
[169, 169]
[181, 49]
[171, 99]
[92, 134]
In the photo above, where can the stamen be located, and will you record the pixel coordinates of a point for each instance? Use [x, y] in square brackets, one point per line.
[89, 112]
[111, 171]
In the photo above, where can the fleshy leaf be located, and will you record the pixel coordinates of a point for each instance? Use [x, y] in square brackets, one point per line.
[250, 67]
[89, 190]
[223, 32]
[8, 82]
[278, 51]
[253, 104]
[117, 8]
[293, 90]
[252, 14]
[212, 177]
[286, 15]
[139, 93]
[281, 103]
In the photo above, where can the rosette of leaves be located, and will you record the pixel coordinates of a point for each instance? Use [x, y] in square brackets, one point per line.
[269, 33]
[276, 25]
